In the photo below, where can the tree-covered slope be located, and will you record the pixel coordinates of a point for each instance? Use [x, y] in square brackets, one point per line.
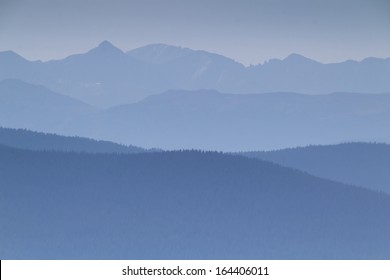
[181, 205]
[31, 140]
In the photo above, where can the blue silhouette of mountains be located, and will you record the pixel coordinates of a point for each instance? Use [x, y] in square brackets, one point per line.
[106, 76]
[68, 197]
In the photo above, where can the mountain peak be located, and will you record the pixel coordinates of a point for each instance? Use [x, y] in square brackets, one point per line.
[294, 57]
[106, 44]
[106, 47]
[11, 56]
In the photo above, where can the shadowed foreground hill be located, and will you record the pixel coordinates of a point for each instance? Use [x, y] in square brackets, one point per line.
[181, 205]
[30, 140]
[361, 164]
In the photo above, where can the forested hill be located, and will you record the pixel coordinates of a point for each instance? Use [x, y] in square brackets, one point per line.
[181, 205]
[30, 140]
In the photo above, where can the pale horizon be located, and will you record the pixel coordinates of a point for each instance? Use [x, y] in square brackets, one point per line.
[250, 32]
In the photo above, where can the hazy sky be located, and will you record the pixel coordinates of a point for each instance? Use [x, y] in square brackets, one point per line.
[248, 31]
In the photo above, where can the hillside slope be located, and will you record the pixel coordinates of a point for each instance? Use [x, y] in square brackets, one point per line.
[30, 140]
[181, 205]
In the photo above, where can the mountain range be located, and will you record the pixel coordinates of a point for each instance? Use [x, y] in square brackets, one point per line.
[66, 195]
[210, 120]
[106, 76]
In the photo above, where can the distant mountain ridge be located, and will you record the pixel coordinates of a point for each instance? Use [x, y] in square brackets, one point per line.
[106, 76]
[210, 120]
[24, 105]
[203, 119]
[361, 164]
